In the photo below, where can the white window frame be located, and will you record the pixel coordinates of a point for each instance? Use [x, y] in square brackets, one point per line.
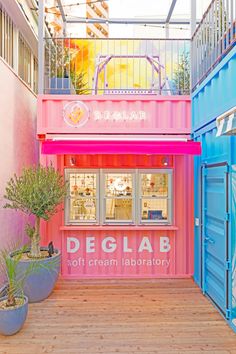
[136, 197]
[103, 172]
[68, 172]
[169, 197]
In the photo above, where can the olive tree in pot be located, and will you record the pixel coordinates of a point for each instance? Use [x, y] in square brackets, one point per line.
[38, 191]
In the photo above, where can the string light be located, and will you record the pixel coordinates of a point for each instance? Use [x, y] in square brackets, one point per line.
[107, 22]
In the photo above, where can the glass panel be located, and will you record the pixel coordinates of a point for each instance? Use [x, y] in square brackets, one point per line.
[154, 184]
[154, 209]
[118, 184]
[83, 203]
[82, 185]
[83, 209]
[119, 209]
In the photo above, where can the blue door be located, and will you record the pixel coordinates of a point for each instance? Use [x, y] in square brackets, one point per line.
[215, 219]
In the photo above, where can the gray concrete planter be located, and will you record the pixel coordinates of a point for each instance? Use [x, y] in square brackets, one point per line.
[39, 285]
[12, 319]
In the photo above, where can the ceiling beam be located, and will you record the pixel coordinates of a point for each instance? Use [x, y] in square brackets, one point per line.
[63, 15]
[172, 6]
[122, 21]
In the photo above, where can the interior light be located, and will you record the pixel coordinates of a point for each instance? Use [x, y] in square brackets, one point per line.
[72, 161]
[165, 161]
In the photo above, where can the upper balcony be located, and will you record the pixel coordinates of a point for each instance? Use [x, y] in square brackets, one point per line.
[116, 66]
[213, 39]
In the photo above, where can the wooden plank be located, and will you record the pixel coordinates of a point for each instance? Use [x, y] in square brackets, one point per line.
[123, 316]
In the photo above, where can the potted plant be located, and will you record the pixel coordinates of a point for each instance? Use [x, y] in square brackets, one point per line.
[38, 191]
[13, 302]
[65, 78]
[60, 82]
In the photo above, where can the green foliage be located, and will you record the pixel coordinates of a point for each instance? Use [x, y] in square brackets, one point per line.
[181, 75]
[15, 276]
[78, 83]
[37, 191]
[61, 67]
[15, 281]
[59, 60]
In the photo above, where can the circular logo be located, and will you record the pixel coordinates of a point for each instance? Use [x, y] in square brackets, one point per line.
[120, 185]
[76, 114]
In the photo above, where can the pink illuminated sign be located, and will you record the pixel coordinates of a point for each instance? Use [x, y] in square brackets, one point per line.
[77, 114]
[119, 115]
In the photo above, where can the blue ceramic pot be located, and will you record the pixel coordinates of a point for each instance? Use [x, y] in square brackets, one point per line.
[60, 86]
[12, 319]
[39, 284]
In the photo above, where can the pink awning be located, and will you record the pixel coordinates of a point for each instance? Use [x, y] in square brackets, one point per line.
[64, 147]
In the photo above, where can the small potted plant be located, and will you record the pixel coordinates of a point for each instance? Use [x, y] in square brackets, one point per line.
[13, 302]
[65, 78]
[38, 191]
[60, 82]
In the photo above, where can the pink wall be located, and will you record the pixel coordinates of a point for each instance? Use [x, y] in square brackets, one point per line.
[18, 146]
[177, 262]
[164, 114]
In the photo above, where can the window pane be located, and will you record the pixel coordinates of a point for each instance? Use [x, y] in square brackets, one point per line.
[82, 184]
[118, 184]
[83, 209]
[154, 184]
[24, 62]
[82, 197]
[154, 209]
[119, 209]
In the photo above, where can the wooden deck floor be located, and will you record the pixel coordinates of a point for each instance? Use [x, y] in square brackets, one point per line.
[123, 316]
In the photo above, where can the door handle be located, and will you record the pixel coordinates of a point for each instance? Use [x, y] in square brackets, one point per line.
[208, 239]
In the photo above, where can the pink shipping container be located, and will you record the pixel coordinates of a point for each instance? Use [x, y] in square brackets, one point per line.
[128, 162]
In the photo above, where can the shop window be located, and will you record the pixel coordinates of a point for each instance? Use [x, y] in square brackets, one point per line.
[109, 197]
[82, 199]
[155, 196]
[118, 197]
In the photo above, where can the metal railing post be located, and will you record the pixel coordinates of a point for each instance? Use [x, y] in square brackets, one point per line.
[41, 30]
[193, 22]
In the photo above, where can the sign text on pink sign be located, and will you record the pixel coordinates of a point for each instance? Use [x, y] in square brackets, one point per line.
[117, 254]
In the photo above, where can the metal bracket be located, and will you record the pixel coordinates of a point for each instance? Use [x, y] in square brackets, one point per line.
[228, 265]
[227, 314]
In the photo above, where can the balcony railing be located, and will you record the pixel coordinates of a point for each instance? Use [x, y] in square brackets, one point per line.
[213, 39]
[115, 66]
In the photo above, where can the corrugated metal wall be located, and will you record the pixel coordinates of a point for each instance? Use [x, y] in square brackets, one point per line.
[168, 114]
[216, 94]
[181, 239]
[213, 97]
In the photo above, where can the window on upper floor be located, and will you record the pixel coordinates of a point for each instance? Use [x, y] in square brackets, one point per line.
[24, 63]
[6, 37]
[16, 52]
